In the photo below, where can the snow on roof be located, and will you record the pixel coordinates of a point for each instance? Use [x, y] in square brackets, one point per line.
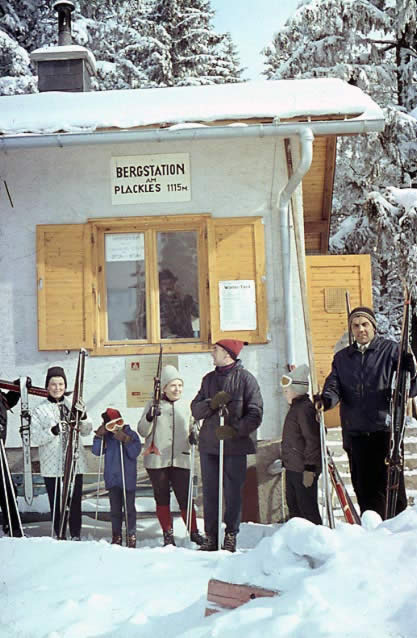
[52, 112]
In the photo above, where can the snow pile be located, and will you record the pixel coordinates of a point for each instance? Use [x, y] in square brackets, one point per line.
[71, 112]
[351, 581]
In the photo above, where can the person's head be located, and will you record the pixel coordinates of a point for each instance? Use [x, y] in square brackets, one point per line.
[362, 324]
[226, 351]
[295, 383]
[112, 419]
[167, 282]
[56, 382]
[171, 383]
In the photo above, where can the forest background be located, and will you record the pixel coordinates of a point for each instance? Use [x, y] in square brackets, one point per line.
[371, 44]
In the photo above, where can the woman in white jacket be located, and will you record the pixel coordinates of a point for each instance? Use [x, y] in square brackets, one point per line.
[49, 431]
[169, 466]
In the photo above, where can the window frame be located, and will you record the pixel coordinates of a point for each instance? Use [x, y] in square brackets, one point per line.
[150, 226]
[71, 280]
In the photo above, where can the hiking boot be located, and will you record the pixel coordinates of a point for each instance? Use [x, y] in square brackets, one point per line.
[196, 537]
[229, 542]
[209, 544]
[75, 538]
[116, 539]
[169, 537]
[131, 540]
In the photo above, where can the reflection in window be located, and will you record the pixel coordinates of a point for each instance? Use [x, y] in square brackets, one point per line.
[125, 286]
[178, 285]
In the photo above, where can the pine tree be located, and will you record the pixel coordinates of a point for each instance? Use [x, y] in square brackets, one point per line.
[370, 44]
[196, 52]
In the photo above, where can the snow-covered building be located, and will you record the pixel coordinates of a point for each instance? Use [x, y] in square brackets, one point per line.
[103, 194]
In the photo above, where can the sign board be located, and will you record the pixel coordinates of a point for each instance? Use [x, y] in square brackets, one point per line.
[237, 305]
[125, 247]
[141, 179]
[140, 373]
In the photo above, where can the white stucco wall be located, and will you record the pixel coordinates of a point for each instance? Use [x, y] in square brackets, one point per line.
[55, 185]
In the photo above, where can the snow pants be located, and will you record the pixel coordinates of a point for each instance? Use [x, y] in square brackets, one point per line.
[234, 474]
[301, 501]
[74, 518]
[369, 472]
[117, 508]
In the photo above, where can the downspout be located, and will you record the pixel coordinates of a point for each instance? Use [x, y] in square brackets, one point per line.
[306, 140]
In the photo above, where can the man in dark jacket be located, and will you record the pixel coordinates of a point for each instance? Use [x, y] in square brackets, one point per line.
[301, 450]
[8, 503]
[360, 380]
[234, 389]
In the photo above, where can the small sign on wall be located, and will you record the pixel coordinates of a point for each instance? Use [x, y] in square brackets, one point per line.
[140, 373]
[237, 305]
[137, 179]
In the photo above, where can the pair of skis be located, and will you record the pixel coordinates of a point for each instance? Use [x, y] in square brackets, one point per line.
[400, 390]
[25, 388]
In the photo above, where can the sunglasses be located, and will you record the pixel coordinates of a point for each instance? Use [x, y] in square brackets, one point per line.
[287, 381]
[114, 425]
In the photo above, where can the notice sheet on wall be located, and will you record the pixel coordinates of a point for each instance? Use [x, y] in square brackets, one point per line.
[237, 305]
[140, 373]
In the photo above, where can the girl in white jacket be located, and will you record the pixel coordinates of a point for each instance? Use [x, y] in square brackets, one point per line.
[49, 431]
[170, 465]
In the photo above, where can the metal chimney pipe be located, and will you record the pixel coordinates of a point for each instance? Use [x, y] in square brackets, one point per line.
[64, 9]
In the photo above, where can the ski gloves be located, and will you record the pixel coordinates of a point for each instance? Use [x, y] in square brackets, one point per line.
[220, 399]
[321, 402]
[308, 478]
[153, 412]
[224, 432]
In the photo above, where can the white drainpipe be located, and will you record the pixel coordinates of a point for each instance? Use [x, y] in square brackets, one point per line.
[306, 140]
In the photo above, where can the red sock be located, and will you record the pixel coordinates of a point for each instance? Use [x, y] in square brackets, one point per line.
[164, 517]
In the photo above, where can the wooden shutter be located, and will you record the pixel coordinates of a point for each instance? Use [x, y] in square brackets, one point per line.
[236, 251]
[328, 279]
[64, 277]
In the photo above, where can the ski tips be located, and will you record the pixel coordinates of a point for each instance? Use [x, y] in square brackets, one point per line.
[152, 449]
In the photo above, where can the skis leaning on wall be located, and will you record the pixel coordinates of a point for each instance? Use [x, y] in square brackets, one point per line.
[25, 434]
[399, 396]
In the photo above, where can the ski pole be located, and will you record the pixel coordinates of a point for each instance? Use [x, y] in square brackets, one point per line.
[190, 490]
[5, 466]
[122, 463]
[221, 471]
[98, 483]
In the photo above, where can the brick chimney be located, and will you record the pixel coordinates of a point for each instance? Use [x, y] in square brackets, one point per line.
[67, 67]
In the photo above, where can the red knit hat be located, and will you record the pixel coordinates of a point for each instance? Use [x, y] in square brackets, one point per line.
[111, 417]
[232, 346]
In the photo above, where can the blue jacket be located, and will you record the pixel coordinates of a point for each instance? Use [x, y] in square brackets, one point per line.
[112, 458]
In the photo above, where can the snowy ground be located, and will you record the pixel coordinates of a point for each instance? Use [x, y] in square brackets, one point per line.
[351, 581]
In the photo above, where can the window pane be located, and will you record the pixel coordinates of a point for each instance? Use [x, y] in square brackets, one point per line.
[125, 285]
[178, 285]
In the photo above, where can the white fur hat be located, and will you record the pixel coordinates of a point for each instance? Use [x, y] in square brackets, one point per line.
[169, 373]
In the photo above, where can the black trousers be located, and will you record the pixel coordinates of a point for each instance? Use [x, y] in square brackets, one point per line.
[164, 478]
[8, 500]
[234, 474]
[369, 473]
[301, 501]
[74, 518]
[117, 506]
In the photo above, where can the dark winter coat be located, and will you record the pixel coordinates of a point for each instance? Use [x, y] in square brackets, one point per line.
[7, 402]
[112, 458]
[245, 410]
[301, 437]
[362, 385]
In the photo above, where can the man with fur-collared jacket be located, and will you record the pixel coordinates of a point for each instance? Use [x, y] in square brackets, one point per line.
[232, 388]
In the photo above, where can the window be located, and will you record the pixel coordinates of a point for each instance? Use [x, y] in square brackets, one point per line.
[125, 285]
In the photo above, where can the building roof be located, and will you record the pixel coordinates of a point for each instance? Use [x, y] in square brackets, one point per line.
[246, 102]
